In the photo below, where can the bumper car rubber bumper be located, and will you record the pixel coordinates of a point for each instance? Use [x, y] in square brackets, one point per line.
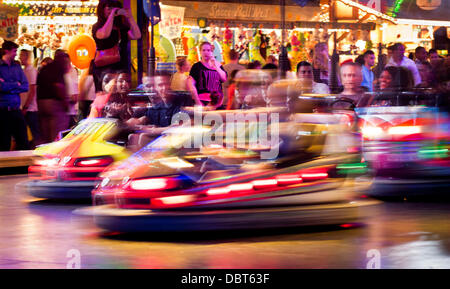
[122, 220]
[387, 187]
[60, 189]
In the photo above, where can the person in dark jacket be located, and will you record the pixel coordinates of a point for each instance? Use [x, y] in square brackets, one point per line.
[52, 99]
[12, 82]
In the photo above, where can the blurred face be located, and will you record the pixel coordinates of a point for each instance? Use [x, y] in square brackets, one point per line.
[385, 80]
[421, 55]
[369, 60]
[186, 66]
[390, 52]
[123, 84]
[147, 83]
[67, 64]
[351, 77]
[206, 52]
[425, 72]
[45, 62]
[23, 58]
[434, 56]
[162, 85]
[399, 53]
[305, 72]
[322, 50]
[10, 54]
[109, 83]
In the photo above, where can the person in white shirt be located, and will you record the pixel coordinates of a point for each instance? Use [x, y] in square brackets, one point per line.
[28, 99]
[304, 83]
[86, 87]
[399, 59]
[232, 65]
[305, 75]
[71, 80]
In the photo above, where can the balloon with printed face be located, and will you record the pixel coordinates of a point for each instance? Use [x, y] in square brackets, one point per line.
[82, 50]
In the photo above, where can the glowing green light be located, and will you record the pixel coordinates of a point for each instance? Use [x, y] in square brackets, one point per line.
[221, 178]
[356, 168]
[395, 8]
[433, 153]
[352, 166]
[439, 151]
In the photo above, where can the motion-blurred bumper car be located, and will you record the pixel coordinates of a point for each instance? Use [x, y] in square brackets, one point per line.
[173, 185]
[69, 168]
[406, 142]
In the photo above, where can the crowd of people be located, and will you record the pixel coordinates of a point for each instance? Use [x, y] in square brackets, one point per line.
[37, 103]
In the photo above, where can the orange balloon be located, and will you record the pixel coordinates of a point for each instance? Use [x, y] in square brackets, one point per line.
[82, 50]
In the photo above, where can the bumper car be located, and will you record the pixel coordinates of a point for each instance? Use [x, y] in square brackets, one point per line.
[69, 168]
[173, 186]
[406, 143]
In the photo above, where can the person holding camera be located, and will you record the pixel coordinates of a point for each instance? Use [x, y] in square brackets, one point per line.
[114, 28]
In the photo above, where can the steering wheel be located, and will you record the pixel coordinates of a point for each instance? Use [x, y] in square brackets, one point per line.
[344, 99]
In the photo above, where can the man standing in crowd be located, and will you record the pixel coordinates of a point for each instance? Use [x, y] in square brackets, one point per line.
[390, 52]
[399, 59]
[12, 82]
[28, 99]
[233, 64]
[433, 55]
[73, 93]
[421, 55]
[368, 76]
[52, 101]
[229, 68]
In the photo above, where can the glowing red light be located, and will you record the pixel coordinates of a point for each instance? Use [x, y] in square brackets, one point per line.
[173, 200]
[241, 187]
[266, 183]
[288, 179]
[314, 176]
[97, 162]
[218, 191]
[90, 163]
[153, 184]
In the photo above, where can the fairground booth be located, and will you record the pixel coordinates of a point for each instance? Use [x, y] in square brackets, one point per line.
[253, 27]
